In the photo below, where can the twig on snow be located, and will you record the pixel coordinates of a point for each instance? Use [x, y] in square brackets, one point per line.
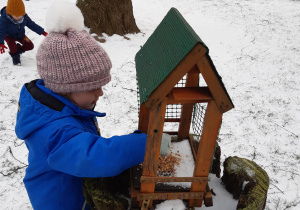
[10, 151]
[13, 170]
[129, 89]
[277, 188]
[124, 64]
[284, 128]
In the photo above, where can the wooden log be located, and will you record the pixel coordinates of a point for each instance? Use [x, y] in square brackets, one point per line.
[246, 181]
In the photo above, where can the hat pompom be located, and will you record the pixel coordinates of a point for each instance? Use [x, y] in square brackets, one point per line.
[62, 15]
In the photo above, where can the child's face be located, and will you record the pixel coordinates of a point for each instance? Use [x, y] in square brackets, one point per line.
[85, 99]
[17, 17]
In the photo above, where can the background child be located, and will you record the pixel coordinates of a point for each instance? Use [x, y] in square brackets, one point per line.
[57, 121]
[13, 20]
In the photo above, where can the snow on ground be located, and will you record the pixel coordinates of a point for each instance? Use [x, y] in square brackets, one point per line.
[255, 48]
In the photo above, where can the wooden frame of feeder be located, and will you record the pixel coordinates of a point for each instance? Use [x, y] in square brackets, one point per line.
[152, 119]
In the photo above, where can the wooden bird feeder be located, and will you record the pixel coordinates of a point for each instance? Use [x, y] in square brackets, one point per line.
[174, 52]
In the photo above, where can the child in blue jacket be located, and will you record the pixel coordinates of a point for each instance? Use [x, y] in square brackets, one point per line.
[13, 20]
[57, 121]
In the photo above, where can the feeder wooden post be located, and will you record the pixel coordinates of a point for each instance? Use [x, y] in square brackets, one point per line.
[155, 130]
[144, 118]
[212, 123]
[192, 80]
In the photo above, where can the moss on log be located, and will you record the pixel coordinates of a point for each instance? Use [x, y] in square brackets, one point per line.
[247, 181]
[107, 193]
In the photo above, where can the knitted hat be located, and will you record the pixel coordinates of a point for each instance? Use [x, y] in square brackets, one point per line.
[15, 7]
[69, 59]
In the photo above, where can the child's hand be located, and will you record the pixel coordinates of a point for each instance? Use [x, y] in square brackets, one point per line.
[2, 48]
[45, 33]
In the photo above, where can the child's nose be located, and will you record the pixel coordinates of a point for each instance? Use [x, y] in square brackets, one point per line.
[99, 92]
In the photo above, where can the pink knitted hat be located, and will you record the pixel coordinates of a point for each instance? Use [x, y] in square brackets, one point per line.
[70, 60]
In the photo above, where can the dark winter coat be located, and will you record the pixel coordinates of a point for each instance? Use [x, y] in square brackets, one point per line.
[9, 27]
[64, 146]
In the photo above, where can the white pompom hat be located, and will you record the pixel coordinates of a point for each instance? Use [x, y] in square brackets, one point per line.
[63, 15]
[69, 59]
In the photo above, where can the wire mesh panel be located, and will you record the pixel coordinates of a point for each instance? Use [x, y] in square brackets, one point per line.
[173, 111]
[198, 119]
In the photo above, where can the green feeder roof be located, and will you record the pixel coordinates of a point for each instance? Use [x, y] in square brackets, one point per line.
[171, 41]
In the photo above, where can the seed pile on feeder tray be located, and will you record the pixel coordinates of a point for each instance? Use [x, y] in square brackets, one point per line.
[167, 161]
[166, 165]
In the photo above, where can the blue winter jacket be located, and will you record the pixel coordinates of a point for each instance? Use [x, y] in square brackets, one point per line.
[64, 146]
[9, 27]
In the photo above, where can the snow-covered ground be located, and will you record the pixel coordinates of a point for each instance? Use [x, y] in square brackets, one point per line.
[255, 46]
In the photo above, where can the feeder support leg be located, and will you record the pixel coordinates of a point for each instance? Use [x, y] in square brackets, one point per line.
[211, 126]
[154, 135]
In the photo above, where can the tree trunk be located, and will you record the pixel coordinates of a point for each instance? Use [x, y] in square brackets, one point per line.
[108, 16]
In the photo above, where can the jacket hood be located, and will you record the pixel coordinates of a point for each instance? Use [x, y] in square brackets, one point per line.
[9, 17]
[39, 106]
[3, 11]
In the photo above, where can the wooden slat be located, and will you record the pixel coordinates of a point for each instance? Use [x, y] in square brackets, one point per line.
[211, 126]
[172, 120]
[145, 179]
[176, 75]
[191, 140]
[170, 196]
[133, 194]
[215, 85]
[208, 200]
[192, 81]
[171, 132]
[155, 130]
[144, 118]
[189, 95]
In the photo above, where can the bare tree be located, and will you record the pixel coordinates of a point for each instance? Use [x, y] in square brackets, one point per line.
[108, 16]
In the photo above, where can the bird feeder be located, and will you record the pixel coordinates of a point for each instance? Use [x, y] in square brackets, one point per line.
[175, 54]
